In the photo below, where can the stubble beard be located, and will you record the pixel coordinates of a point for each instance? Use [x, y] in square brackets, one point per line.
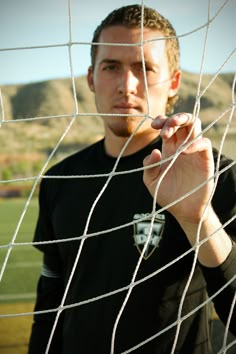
[126, 127]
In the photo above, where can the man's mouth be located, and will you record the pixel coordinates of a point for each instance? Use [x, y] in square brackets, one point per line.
[126, 108]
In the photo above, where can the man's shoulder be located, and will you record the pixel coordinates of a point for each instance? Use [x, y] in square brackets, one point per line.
[78, 159]
[225, 165]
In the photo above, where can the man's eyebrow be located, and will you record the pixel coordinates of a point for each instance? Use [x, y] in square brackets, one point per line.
[116, 61]
[109, 61]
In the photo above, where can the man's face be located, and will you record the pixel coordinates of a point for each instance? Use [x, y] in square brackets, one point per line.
[118, 79]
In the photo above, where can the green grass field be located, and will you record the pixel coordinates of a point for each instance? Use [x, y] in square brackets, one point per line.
[19, 280]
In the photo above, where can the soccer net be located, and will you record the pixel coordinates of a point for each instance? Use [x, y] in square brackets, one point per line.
[221, 128]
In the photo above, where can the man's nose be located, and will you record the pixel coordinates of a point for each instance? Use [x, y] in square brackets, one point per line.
[128, 83]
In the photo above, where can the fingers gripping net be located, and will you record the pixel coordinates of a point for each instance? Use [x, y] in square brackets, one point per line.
[14, 244]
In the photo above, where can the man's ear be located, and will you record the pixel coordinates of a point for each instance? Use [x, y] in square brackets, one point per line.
[90, 78]
[175, 83]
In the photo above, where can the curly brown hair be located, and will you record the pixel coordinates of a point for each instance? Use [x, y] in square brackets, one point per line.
[131, 17]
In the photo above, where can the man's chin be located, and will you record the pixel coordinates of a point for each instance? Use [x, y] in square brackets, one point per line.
[125, 127]
[122, 133]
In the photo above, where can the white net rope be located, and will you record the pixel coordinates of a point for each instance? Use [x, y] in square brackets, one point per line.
[86, 235]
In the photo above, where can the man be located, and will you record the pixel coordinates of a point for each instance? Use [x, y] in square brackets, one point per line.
[99, 234]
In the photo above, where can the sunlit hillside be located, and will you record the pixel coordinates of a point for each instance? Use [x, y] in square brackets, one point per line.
[37, 114]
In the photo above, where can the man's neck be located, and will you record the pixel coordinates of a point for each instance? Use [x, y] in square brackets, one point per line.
[115, 144]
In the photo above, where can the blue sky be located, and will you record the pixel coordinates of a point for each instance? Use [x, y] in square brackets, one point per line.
[30, 23]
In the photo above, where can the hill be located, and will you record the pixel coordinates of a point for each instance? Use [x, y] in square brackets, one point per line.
[43, 101]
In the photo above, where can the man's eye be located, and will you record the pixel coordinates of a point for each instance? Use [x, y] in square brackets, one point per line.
[110, 67]
[146, 68]
[142, 68]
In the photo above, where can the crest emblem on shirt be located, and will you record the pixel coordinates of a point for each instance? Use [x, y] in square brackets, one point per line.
[142, 232]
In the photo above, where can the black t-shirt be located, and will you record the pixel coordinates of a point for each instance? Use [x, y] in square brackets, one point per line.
[102, 222]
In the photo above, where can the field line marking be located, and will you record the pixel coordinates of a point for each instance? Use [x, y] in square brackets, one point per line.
[23, 265]
[17, 296]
